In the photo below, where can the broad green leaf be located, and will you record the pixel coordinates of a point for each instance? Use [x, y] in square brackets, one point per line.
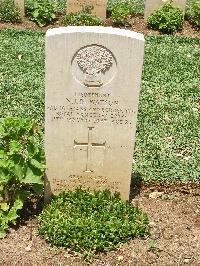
[33, 176]
[9, 163]
[12, 215]
[4, 177]
[2, 153]
[18, 204]
[21, 194]
[38, 188]
[32, 149]
[3, 163]
[15, 159]
[15, 147]
[4, 206]
[35, 14]
[2, 233]
[37, 164]
[19, 170]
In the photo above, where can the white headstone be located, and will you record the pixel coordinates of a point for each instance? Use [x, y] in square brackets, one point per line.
[93, 77]
[152, 5]
[95, 7]
[21, 6]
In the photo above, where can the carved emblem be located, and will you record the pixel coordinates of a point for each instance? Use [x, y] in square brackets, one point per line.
[94, 61]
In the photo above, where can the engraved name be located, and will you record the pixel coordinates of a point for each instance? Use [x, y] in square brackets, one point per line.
[92, 108]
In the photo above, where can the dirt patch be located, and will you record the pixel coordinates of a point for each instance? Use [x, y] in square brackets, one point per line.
[174, 239]
[137, 24]
[173, 210]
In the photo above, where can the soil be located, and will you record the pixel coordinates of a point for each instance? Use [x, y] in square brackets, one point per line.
[137, 24]
[173, 210]
[174, 213]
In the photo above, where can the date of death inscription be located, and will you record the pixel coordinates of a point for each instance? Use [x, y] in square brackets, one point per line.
[91, 108]
[73, 181]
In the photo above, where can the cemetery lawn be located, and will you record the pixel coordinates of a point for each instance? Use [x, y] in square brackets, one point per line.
[167, 140]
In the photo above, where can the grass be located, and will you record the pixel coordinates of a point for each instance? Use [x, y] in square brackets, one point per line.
[22, 74]
[168, 122]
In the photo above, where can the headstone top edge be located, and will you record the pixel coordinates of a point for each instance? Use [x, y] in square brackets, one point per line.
[95, 29]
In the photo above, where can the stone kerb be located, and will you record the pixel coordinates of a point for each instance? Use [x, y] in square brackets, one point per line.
[93, 77]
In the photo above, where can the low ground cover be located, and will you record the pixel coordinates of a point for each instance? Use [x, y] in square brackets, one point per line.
[166, 19]
[119, 13]
[167, 132]
[174, 238]
[9, 12]
[90, 223]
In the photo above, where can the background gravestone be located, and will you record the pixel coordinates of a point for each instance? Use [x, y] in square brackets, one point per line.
[96, 7]
[152, 5]
[93, 77]
[21, 5]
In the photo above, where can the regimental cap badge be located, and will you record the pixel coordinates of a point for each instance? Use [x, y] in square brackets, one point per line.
[94, 61]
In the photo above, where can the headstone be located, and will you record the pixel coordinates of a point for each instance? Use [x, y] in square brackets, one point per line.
[95, 7]
[93, 77]
[152, 5]
[21, 5]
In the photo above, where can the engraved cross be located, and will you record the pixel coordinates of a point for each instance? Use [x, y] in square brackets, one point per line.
[90, 145]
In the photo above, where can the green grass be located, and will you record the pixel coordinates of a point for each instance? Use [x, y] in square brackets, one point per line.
[22, 74]
[168, 122]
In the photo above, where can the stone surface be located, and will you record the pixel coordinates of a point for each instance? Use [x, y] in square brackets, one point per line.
[156, 195]
[95, 7]
[21, 5]
[152, 5]
[93, 77]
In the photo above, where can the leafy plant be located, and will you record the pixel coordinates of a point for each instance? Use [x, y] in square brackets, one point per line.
[21, 167]
[166, 19]
[9, 12]
[122, 11]
[41, 11]
[60, 6]
[81, 18]
[194, 12]
[89, 222]
[137, 5]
